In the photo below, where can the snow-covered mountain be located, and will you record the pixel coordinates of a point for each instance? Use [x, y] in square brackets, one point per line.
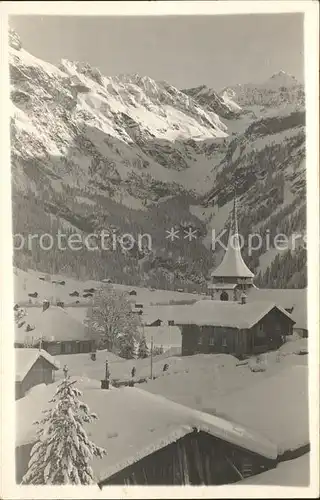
[91, 151]
[222, 104]
[280, 90]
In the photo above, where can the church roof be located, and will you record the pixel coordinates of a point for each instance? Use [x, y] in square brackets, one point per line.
[233, 264]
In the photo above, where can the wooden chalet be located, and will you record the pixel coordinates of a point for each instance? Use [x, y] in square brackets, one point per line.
[153, 441]
[233, 328]
[53, 329]
[33, 367]
[292, 300]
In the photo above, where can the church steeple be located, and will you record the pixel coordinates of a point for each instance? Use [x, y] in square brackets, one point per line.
[233, 230]
[233, 265]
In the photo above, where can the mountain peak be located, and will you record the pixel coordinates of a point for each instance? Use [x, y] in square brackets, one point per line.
[14, 40]
[283, 78]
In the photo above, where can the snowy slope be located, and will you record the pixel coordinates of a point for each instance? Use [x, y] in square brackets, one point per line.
[72, 119]
[223, 104]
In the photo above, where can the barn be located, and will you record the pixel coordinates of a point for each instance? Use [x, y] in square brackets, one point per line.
[151, 440]
[55, 329]
[33, 367]
[293, 300]
[233, 328]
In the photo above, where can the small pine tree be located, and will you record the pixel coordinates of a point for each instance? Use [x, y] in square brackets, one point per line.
[127, 347]
[143, 351]
[63, 450]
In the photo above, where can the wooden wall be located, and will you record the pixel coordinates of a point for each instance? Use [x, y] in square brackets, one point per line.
[196, 459]
[225, 340]
[40, 373]
[239, 342]
[275, 326]
[68, 347]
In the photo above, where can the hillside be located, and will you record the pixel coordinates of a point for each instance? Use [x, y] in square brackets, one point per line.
[126, 154]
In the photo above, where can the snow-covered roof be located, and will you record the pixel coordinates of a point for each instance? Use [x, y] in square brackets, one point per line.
[52, 324]
[26, 358]
[228, 314]
[276, 406]
[290, 473]
[163, 335]
[133, 423]
[232, 265]
[151, 314]
[165, 313]
[286, 298]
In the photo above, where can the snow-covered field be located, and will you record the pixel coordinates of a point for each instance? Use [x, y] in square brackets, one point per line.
[195, 381]
[26, 282]
[198, 381]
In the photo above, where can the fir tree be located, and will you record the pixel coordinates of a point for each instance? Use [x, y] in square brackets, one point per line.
[143, 351]
[127, 347]
[63, 451]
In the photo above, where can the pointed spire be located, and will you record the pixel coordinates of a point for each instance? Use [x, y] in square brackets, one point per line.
[234, 219]
[233, 264]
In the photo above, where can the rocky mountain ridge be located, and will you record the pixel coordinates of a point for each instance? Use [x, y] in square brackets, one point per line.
[128, 153]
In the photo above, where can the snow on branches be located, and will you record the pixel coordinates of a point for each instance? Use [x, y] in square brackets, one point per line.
[19, 314]
[112, 322]
[143, 351]
[63, 451]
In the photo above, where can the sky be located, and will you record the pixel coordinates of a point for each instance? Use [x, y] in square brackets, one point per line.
[186, 51]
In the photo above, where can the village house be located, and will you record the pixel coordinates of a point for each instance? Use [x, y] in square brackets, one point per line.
[233, 328]
[164, 444]
[55, 330]
[292, 300]
[33, 367]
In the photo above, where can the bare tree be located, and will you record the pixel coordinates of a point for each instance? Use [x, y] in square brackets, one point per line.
[111, 321]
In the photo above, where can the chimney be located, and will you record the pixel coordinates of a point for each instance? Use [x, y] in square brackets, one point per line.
[243, 298]
[45, 305]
